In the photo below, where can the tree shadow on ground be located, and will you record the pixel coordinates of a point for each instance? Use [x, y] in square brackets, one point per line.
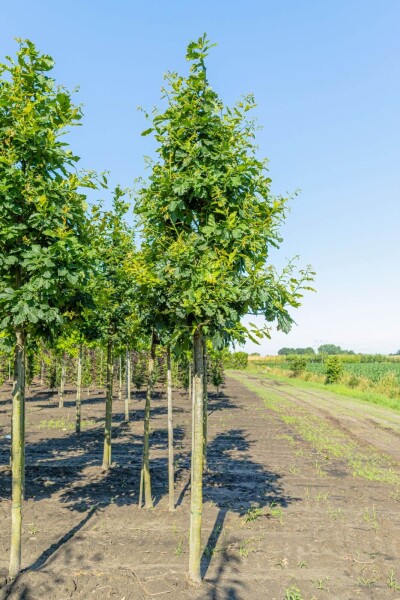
[236, 484]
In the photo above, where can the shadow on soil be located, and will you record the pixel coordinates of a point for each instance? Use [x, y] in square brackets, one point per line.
[235, 483]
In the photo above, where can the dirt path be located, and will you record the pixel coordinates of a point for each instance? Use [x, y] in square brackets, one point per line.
[368, 422]
[278, 512]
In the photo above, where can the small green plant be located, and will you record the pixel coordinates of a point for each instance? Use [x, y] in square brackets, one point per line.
[179, 549]
[244, 548]
[371, 518]
[335, 513]
[276, 512]
[367, 580]
[301, 564]
[392, 581]
[321, 584]
[293, 593]
[253, 513]
[32, 529]
[297, 364]
[333, 369]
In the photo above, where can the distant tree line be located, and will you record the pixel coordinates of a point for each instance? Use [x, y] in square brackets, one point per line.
[324, 349]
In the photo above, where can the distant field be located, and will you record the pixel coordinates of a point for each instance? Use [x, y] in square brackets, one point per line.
[372, 368]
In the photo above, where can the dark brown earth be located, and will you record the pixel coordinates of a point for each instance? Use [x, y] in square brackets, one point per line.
[332, 535]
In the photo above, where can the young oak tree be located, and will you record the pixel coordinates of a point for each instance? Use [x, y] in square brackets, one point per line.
[42, 223]
[209, 218]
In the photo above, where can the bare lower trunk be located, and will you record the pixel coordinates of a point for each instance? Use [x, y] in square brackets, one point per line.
[190, 381]
[196, 502]
[171, 501]
[17, 453]
[145, 474]
[42, 372]
[78, 392]
[127, 384]
[120, 378]
[62, 383]
[109, 398]
[205, 408]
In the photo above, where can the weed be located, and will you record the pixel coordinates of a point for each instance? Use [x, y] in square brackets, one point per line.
[371, 518]
[301, 564]
[321, 584]
[367, 580]
[392, 581]
[179, 549]
[335, 513]
[276, 512]
[293, 593]
[322, 496]
[244, 548]
[253, 513]
[32, 529]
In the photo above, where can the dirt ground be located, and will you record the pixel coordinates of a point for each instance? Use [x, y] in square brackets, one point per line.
[281, 509]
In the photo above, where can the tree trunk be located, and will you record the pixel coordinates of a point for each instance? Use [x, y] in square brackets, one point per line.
[190, 382]
[127, 384]
[42, 372]
[171, 501]
[196, 501]
[205, 408]
[78, 392]
[109, 399]
[17, 453]
[62, 383]
[145, 474]
[120, 378]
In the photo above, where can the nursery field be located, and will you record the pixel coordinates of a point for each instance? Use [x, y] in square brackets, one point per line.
[301, 500]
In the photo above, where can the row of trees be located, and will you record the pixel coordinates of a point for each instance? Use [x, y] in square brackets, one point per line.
[206, 220]
[324, 349]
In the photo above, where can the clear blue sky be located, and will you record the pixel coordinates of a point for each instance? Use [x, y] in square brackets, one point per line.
[326, 76]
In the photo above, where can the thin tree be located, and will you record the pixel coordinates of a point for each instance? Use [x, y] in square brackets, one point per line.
[209, 220]
[43, 222]
[111, 286]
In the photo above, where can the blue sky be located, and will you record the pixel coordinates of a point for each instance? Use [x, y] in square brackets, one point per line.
[326, 76]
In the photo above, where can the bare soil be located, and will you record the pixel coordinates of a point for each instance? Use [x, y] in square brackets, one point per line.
[272, 519]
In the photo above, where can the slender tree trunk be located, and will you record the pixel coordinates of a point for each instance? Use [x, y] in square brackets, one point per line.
[101, 369]
[120, 378]
[62, 383]
[9, 370]
[196, 501]
[42, 372]
[205, 407]
[145, 474]
[190, 382]
[171, 501]
[78, 391]
[17, 453]
[109, 398]
[127, 384]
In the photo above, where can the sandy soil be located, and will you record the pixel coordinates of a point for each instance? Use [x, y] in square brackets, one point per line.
[273, 518]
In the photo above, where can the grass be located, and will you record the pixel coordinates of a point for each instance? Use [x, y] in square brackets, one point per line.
[64, 424]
